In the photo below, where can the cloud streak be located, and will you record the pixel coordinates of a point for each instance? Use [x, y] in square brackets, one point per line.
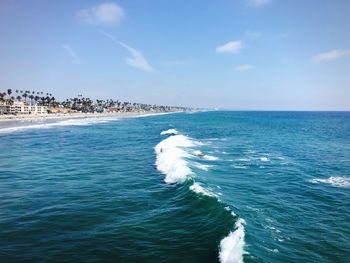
[106, 14]
[331, 55]
[232, 47]
[244, 67]
[136, 59]
[75, 58]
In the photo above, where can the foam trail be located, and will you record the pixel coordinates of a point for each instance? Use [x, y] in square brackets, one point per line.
[171, 160]
[336, 181]
[232, 246]
[170, 131]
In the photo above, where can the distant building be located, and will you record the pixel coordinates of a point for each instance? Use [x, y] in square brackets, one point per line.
[61, 110]
[20, 107]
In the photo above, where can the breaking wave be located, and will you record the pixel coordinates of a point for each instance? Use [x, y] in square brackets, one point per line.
[173, 156]
[232, 246]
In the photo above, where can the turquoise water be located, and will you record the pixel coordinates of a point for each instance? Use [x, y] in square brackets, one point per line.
[217, 186]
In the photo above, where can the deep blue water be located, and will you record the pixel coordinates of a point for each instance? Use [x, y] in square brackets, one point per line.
[235, 186]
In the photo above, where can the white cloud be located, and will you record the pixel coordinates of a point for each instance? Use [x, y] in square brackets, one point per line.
[244, 67]
[232, 47]
[75, 58]
[136, 59]
[331, 55]
[106, 14]
[258, 3]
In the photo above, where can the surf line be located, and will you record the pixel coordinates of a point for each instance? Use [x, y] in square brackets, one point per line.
[171, 160]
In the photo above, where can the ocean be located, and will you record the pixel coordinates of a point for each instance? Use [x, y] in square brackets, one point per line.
[186, 187]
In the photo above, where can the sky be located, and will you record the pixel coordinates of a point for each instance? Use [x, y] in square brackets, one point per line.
[227, 54]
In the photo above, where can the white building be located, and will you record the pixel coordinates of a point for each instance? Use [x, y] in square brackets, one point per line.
[19, 107]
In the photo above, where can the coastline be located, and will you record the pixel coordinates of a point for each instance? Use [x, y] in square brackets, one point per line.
[53, 116]
[19, 123]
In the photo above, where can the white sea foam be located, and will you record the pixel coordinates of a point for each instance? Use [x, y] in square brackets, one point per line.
[69, 122]
[232, 246]
[239, 167]
[201, 155]
[171, 158]
[198, 153]
[264, 159]
[210, 158]
[200, 166]
[336, 181]
[170, 131]
[198, 189]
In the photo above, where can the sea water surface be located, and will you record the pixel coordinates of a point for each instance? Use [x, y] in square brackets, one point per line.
[204, 187]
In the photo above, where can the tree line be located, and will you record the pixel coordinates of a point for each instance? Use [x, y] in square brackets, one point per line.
[28, 96]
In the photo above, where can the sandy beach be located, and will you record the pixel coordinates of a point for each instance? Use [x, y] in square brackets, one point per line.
[53, 116]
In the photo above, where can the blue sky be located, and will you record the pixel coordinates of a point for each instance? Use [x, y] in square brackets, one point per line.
[237, 54]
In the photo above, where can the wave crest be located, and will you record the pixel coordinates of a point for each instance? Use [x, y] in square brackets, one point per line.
[172, 154]
[232, 246]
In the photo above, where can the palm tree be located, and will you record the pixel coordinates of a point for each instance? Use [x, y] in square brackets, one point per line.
[25, 95]
[2, 95]
[18, 98]
[9, 92]
[48, 101]
[53, 100]
[11, 100]
[42, 101]
[31, 99]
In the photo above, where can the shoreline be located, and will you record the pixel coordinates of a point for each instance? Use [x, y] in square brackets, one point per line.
[53, 116]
